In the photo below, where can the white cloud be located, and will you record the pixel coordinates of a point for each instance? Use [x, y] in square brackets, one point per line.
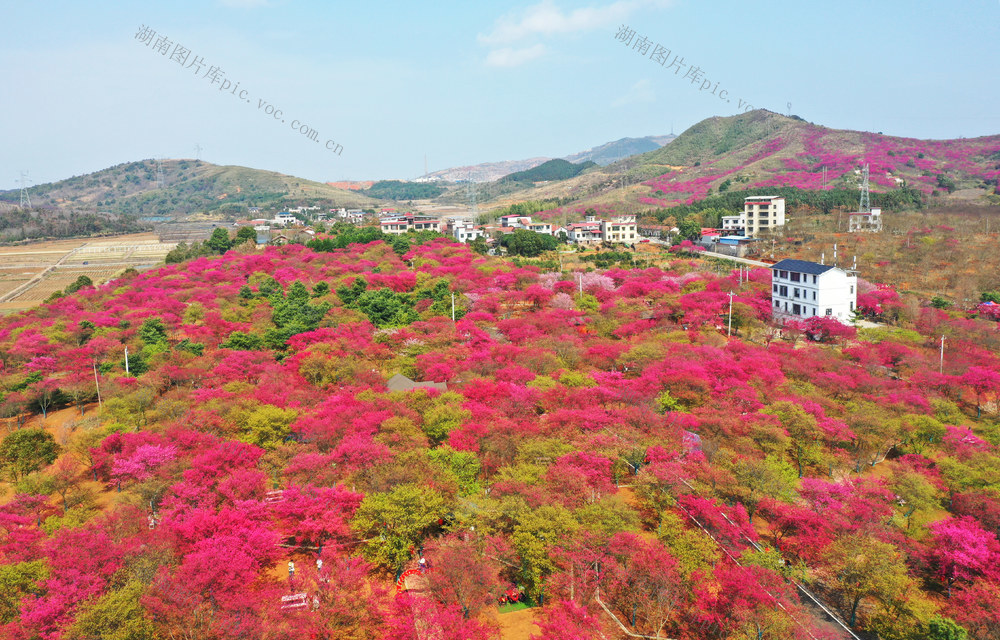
[509, 57]
[546, 19]
[641, 91]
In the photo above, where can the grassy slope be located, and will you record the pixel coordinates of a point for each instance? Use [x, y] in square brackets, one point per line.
[190, 186]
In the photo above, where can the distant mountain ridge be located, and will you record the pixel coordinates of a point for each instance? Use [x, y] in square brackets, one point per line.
[619, 149]
[557, 169]
[483, 172]
[604, 154]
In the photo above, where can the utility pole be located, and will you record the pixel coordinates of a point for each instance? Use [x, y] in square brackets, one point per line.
[452, 307]
[126, 360]
[729, 332]
[941, 363]
[98, 385]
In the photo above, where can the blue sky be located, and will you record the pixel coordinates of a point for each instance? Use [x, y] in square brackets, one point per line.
[464, 83]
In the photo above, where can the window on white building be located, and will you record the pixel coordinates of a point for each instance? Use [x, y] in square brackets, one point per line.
[829, 312]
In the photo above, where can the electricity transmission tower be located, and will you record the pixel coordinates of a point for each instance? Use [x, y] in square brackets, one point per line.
[197, 151]
[865, 206]
[25, 198]
[159, 173]
[471, 189]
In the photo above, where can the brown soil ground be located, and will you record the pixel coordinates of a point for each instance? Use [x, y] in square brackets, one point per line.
[518, 625]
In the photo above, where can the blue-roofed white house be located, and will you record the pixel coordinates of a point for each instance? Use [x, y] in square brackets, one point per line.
[803, 289]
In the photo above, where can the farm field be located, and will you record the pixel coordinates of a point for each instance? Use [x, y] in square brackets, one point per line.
[30, 273]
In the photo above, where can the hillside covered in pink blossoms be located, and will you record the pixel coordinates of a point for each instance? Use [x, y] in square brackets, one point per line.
[762, 149]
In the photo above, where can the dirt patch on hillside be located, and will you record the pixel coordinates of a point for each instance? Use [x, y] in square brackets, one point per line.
[518, 625]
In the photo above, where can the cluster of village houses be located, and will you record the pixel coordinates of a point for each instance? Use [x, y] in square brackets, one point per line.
[800, 289]
[617, 230]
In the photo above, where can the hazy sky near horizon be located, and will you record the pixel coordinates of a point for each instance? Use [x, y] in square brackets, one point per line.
[463, 83]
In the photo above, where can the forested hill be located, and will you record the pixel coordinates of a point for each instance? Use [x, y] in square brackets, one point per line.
[577, 421]
[557, 169]
[183, 187]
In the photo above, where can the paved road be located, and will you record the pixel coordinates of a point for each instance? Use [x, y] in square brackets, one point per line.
[756, 263]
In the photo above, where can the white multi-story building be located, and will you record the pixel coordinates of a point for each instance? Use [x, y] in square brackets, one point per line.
[465, 231]
[284, 219]
[584, 232]
[732, 223]
[540, 227]
[761, 213]
[618, 230]
[802, 289]
[515, 221]
[865, 221]
[401, 224]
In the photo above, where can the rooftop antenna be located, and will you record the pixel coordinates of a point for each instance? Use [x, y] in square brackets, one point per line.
[197, 151]
[865, 206]
[25, 198]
